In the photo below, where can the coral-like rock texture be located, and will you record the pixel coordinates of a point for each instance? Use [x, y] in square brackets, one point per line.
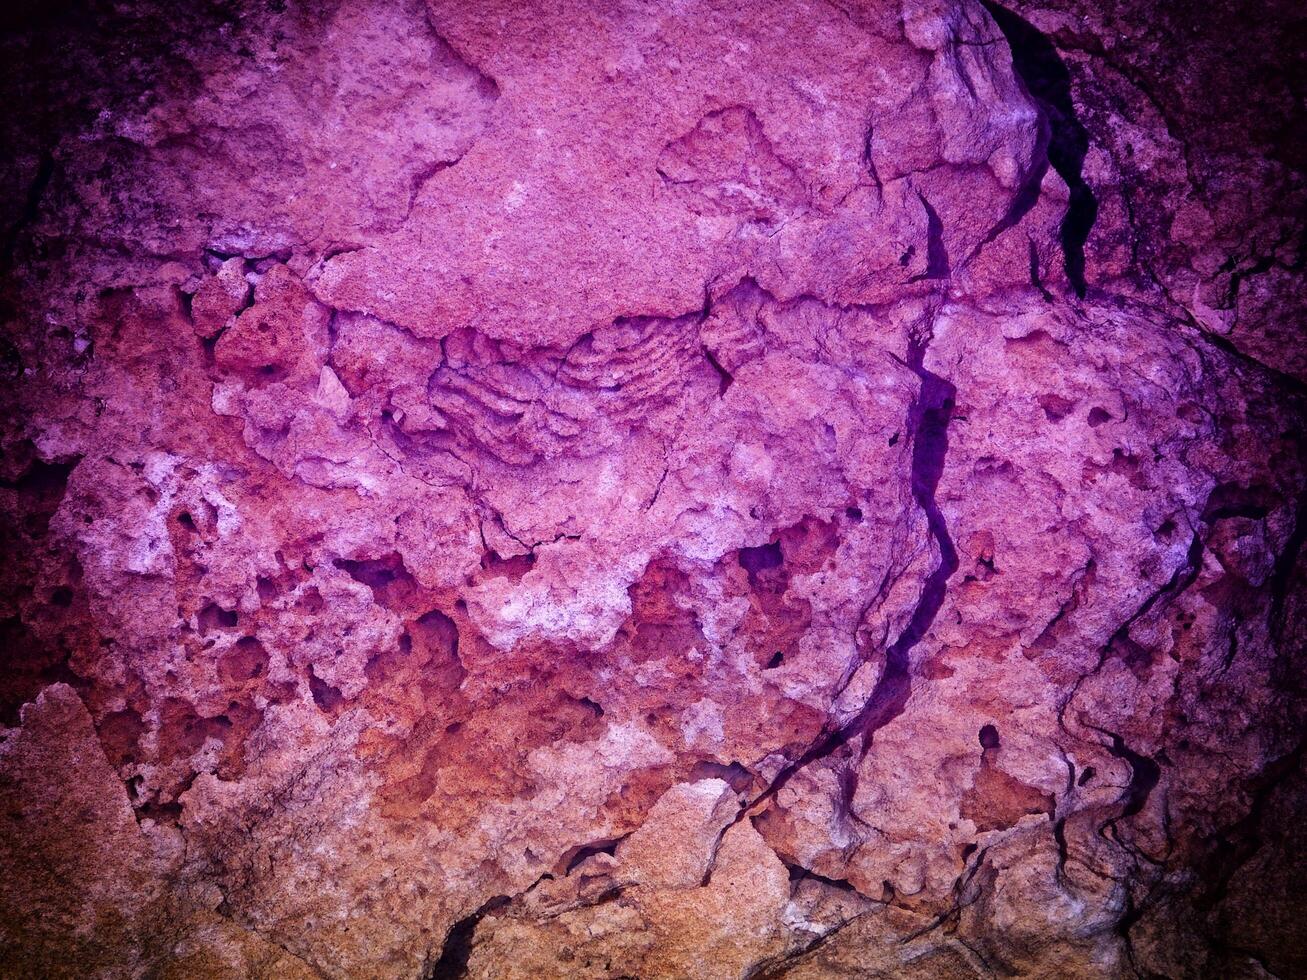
[623, 489]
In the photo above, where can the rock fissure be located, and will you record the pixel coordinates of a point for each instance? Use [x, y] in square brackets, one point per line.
[1036, 60]
[927, 427]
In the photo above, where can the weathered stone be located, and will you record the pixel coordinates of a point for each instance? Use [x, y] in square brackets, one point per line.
[592, 490]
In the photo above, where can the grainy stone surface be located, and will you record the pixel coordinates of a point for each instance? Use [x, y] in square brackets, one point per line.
[652, 490]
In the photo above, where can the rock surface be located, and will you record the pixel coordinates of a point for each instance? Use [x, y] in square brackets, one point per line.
[652, 490]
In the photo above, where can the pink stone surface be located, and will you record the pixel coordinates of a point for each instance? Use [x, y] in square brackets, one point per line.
[649, 490]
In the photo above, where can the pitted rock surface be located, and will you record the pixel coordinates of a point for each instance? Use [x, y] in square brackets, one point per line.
[651, 490]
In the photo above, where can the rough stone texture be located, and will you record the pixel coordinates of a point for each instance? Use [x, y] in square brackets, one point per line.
[652, 490]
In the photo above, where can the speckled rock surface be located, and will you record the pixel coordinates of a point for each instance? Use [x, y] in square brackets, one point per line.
[630, 490]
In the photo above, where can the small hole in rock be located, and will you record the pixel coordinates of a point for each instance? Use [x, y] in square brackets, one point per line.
[760, 558]
[212, 616]
[325, 696]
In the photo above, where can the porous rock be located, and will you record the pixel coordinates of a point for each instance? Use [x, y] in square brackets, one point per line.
[650, 490]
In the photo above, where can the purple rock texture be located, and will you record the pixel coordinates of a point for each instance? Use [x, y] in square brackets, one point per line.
[652, 490]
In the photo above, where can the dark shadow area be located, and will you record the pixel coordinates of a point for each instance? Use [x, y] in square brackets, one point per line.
[1040, 67]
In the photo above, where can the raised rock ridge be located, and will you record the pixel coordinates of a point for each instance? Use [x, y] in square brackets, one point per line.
[651, 490]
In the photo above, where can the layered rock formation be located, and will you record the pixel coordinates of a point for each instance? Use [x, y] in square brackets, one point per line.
[636, 490]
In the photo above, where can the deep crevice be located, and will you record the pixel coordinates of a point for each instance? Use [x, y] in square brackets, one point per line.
[928, 421]
[1145, 774]
[454, 956]
[575, 857]
[799, 874]
[724, 377]
[937, 261]
[1024, 200]
[31, 209]
[1035, 279]
[1037, 63]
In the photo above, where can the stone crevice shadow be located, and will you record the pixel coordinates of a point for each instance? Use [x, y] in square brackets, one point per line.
[1039, 66]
